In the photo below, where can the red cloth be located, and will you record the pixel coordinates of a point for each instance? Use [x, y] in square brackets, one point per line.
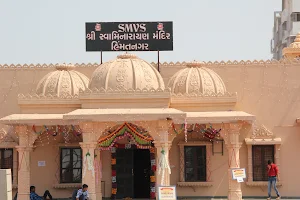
[272, 170]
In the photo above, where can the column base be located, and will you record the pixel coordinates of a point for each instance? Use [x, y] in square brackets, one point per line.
[95, 196]
[23, 196]
[235, 195]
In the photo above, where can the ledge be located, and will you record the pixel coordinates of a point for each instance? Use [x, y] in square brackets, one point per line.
[66, 185]
[195, 184]
[260, 183]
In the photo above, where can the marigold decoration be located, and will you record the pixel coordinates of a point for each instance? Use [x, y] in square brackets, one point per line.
[164, 167]
[211, 133]
[125, 130]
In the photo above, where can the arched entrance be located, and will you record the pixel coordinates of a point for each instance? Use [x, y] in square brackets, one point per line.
[133, 162]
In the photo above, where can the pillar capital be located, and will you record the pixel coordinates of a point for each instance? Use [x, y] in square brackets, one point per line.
[233, 128]
[21, 129]
[87, 127]
[162, 144]
[234, 145]
[163, 125]
[24, 148]
[88, 145]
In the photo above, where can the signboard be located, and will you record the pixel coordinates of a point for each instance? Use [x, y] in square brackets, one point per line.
[129, 36]
[238, 174]
[167, 193]
[41, 163]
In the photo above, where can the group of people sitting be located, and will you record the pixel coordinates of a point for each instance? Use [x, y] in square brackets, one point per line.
[80, 194]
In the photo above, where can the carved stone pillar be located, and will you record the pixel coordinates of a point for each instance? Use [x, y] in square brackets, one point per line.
[250, 167]
[88, 147]
[26, 140]
[15, 167]
[233, 146]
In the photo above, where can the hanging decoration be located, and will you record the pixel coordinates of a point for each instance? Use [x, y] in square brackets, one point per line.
[54, 131]
[211, 133]
[185, 130]
[113, 150]
[143, 142]
[88, 164]
[97, 169]
[164, 167]
[178, 131]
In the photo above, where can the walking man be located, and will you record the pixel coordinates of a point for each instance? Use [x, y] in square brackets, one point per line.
[273, 175]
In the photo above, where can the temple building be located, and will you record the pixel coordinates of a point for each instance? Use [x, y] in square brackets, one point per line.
[124, 128]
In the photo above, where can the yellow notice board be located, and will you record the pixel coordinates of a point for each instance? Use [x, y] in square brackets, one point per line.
[238, 173]
[167, 193]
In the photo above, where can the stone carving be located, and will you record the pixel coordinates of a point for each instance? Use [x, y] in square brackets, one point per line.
[129, 91]
[200, 94]
[261, 132]
[196, 78]
[126, 72]
[62, 82]
[46, 97]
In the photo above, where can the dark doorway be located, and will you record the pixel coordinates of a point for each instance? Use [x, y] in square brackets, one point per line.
[124, 170]
[133, 173]
[142, 167]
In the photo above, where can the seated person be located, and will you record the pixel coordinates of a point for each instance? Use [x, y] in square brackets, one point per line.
[81, 194]
[34, 196]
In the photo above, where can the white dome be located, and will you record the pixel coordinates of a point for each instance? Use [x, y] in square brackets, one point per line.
[196, 79]
[63, 82]
[127, 72]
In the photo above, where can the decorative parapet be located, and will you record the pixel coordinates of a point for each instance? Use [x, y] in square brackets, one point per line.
[198, 99]
[201, 95]
[166, 64]
[46, 97]
[104, 91]
[44, 66]
[109, 90]
[235, 62]
[49, 99]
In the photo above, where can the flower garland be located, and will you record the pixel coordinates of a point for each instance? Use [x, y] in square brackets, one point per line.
[211, 133]
[163, 167]
[141, 141]
[114, 189]
[88, 164]
[54, 131]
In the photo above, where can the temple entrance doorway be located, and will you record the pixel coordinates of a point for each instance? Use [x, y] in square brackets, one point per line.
[133, 168]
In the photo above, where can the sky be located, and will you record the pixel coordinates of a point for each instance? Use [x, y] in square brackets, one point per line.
[53, 31]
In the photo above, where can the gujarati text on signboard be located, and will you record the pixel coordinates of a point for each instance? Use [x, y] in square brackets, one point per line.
[129, 36]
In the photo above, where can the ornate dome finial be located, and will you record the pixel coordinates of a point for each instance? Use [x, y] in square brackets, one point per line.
[293, 50]
[64, 67]
[194, 64]
[127, 56]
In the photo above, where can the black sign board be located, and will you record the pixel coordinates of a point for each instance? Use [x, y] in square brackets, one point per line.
[129, 36]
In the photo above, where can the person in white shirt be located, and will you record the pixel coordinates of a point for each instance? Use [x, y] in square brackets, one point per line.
[83, 194]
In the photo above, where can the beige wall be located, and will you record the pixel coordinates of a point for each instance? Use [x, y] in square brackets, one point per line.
[269, 91]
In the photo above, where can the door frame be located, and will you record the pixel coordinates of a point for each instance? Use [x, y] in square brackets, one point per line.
[114, 173]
